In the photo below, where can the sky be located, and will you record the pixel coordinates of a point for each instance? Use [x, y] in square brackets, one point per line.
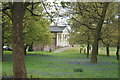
[84, 0]
[59, 20]
[63, 20]
[62, 0]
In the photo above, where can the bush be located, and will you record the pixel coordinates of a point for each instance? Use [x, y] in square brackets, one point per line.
[78, 70]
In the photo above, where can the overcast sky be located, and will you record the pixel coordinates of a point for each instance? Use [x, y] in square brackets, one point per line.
[63, 20]
[84, 0]
[59, 20]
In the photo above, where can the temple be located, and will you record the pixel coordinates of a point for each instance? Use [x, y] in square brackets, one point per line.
[61, 36]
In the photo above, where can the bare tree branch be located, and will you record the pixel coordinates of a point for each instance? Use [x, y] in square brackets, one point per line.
[7, 14]
[31, 11]
[47, 12]
[102, 41]
[27, 4]
[83, 24]
[4, 11]
[6, 8]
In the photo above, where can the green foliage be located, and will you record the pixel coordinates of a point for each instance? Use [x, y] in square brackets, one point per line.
[85, 18]
[65, 4]
[78, 70]
[81, 35]
[109, 32]
[7, 30]
[36, 30]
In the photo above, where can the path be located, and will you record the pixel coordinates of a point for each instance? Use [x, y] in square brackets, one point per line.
[60, 50]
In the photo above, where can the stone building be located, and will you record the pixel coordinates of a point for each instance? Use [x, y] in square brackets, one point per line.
[61, 36]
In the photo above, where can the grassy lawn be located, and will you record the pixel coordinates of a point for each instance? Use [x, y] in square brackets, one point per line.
[102, 50]
[68, 64]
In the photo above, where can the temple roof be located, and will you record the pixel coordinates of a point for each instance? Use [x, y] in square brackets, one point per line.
[58, 29]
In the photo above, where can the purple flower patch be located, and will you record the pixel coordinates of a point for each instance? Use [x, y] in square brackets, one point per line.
[74, 62]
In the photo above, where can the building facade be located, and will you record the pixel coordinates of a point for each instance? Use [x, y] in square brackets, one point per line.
[60, 39]
[61, 35]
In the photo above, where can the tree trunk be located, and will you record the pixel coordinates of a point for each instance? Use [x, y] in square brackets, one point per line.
[94, 51]
[18, 11]
[80, 50]
[88, 45]
[117, 52]
[1, 44]
[118, 43]
[2, 51]
[84, 50]
[41, 49]
[30, 47]
[2, 38]
[107, 50]
[97, 34]
[25, 47]
[50, 50]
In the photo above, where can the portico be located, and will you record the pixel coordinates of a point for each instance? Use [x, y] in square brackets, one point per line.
[61, 35]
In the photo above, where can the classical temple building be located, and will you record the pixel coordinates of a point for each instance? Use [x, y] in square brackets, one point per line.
[61, 36]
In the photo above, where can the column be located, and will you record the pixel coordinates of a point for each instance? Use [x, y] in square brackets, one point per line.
[57, 39]
[61, 39]
[64, 39]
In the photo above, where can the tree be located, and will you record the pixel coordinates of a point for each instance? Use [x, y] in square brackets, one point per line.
[118, 46]
[92, 15]
[84, 34]
[17, 12]
[97, 34]
[36, 31]
[106, 37]
[109, 32]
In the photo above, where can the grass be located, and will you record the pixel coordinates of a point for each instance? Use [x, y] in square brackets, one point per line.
[68, 64]
[72, 50]
[101, 51]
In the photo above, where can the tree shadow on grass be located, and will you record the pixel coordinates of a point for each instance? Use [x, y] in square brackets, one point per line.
[44, 55]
